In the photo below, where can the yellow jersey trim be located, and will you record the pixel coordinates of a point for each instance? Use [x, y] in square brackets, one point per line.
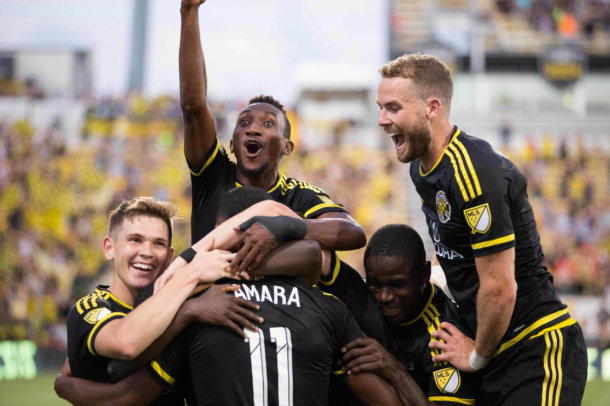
[457, 176]
[319, 207]
[554, 371]
[339, 372]
[423, 311]
[477, 185]
[116, 299]
[280, 178]
[97, 325]
[452, 399]
[421, 170]
[335, 272]
[463, 169]
[166, 377]
[491, 243]
[557, 326]
[532, 327]
[210, 159]
[331, 295]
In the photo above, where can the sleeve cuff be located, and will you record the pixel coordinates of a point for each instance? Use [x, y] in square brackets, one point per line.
[335, 266]
[492, 246]
[98, 327]
[159, 375]
[441, 400]
[209, 158]
[323, 208]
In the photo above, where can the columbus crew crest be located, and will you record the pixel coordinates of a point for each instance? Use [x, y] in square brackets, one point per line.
[478, 218]
[443, 208]
[448, 380]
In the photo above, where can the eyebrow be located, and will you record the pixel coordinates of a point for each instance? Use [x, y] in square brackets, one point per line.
[141, 236]
[264, 111]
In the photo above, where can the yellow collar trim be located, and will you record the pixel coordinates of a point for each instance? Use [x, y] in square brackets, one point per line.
[421, 170]
[116, 299]
[281, 177]
[425, 308]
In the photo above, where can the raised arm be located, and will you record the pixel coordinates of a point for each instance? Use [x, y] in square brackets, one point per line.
[199, 131]
[302, 259]
[336, 231]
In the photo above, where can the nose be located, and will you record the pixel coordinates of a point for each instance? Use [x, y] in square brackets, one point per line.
[146, 250]
[384, 120]
[384, 295]
[254, 130]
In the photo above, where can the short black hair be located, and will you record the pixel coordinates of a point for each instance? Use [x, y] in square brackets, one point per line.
[272, 101]
[240, 199]
[397, 240]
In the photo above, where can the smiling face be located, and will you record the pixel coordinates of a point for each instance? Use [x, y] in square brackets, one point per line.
[139, 250]
[396, 288]
[258, 142]
[403, 117]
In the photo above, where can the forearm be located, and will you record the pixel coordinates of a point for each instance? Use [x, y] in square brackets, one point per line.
[492, 321]
[81, 392]
[193, 78]
[407, 390]
[339, 234]
[302, 259]
[119, 370]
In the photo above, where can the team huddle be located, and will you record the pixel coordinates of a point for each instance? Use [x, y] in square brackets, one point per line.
[261, 311]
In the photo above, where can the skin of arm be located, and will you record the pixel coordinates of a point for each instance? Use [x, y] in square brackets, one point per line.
[199, 128]
[214, 307]
[498, 286]
[302, 259]
[367, 356]
[138, 390]
[128, 337]
[372, 390]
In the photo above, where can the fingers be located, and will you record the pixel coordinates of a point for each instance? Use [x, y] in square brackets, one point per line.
[245, 263]
[359, 362]
[357, 352]
[246, 304]
[451, 329]
[439, 345]
[235, 328]
[241, 254]
[248, 314]
[359, 342]
[441, 357]
[229, 288]
[441, 334]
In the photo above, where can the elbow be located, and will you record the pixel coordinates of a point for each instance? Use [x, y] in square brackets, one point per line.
[503, 294]
[314, 252]
[193, 107]
[357, 237]
[128, 352]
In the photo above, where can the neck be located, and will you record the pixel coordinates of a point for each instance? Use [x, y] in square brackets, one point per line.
[421, 305]
[265, 181]
[122, 292]
[441, 134]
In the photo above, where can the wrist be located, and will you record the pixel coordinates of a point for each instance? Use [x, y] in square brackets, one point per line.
[477, 362]
[185, 315]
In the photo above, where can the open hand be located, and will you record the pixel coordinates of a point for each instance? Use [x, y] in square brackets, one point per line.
[456, 346]
[218, 307]
[212, 265]
[254, 243]
[367, 355]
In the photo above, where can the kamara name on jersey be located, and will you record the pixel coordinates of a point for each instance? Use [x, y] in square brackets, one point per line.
[278, 297]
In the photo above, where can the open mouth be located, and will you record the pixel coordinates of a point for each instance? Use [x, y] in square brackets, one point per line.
[142, 267]
[390, 311]
[253, 147]
[399, 140]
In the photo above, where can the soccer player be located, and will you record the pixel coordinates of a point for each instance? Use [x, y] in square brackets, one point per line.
[102, 325]
[398, 277]
[289, 359]
[260, 139]
[482, 224]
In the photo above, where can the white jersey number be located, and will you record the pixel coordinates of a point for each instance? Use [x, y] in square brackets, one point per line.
[283, 344]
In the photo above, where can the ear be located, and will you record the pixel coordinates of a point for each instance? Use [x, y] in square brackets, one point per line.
[433, 108]
[425, 273]
[288, 147]
[108, 247]
[169, 257]
[231, 146]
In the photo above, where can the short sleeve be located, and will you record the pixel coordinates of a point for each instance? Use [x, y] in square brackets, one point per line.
[209, 174]
[86, 319]
[312, 201]
[172, 360]
[450, 386]
[347, 330]
[487, 215]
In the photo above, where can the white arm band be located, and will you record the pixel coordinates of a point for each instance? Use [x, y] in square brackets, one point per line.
[477, 362]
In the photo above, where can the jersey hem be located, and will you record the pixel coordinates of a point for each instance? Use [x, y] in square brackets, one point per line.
[452, 400]
[155, 371]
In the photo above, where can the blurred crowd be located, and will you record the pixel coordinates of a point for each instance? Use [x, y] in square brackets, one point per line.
[55, 197]
[567, 17]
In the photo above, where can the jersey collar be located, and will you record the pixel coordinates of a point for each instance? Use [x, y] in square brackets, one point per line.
[456, 132]
[424, 309]
[276, 190]
[103, 290]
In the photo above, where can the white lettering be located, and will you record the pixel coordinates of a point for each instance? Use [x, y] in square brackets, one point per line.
[239, 293]
[444, 252]
[294, 297]
[278, 292]
[251, 292]
[265, 294]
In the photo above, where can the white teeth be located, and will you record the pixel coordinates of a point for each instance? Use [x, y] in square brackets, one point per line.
[143, 266]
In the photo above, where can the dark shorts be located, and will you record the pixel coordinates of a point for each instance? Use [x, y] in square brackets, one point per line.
[548, 369]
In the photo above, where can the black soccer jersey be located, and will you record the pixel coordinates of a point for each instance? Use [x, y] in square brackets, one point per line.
[443, 384]
[287, 362]
[215, 176]
[85, 320]
[475, 202]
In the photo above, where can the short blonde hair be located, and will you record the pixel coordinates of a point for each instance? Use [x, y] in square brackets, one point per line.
[143, 206]
[430, 76]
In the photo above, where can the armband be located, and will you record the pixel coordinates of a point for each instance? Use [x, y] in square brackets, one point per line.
[281, 228]
[188, 254]
[477, 362]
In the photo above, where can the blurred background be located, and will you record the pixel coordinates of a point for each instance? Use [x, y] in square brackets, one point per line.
[89, 115]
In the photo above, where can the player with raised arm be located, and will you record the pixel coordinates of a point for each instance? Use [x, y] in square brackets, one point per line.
[260, 139]
[289, 360]
[483, 227]
[102, 325]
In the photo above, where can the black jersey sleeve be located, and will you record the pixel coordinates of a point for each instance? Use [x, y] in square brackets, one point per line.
[86, 319]
[312, 201]
[170, 363]
[449, 386]
[346, 331]
[484, 186]
[207, 176]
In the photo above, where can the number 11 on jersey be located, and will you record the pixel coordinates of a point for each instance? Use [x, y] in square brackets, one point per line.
[283, 344]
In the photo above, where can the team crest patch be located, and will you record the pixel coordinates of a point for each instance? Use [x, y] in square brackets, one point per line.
[448, 380]
[479, 218]
[96, 315]
[443, 208]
